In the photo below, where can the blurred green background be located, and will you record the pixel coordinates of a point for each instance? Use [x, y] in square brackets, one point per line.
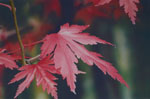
[130, 55]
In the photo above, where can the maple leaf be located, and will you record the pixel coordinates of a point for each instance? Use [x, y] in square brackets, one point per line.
[67, 46]
[7, 60]
[129, 6]
[87, 13]
[42, 71]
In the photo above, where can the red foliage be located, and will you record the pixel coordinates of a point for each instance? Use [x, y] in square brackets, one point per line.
[90, 12]
[68, 48]
[130, 7]
[8, 61]
[60, 51]
[43, 73]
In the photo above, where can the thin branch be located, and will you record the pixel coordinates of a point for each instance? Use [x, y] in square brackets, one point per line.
[17, 31]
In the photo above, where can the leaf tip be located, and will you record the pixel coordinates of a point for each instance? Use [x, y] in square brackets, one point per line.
[74, 92]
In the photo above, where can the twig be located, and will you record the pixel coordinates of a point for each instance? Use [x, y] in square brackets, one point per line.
[17, 31]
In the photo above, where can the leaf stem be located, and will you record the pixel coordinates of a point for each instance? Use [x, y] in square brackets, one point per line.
[33, 59]
[26, 45]
[17, 31]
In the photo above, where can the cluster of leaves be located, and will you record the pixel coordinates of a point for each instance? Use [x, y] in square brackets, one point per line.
[60, 51]
[129, 6]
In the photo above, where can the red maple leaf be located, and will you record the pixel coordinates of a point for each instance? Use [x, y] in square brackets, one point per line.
[43, 73]
[67, 46]
[129, 6]
[89, 12]
[7, 61]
